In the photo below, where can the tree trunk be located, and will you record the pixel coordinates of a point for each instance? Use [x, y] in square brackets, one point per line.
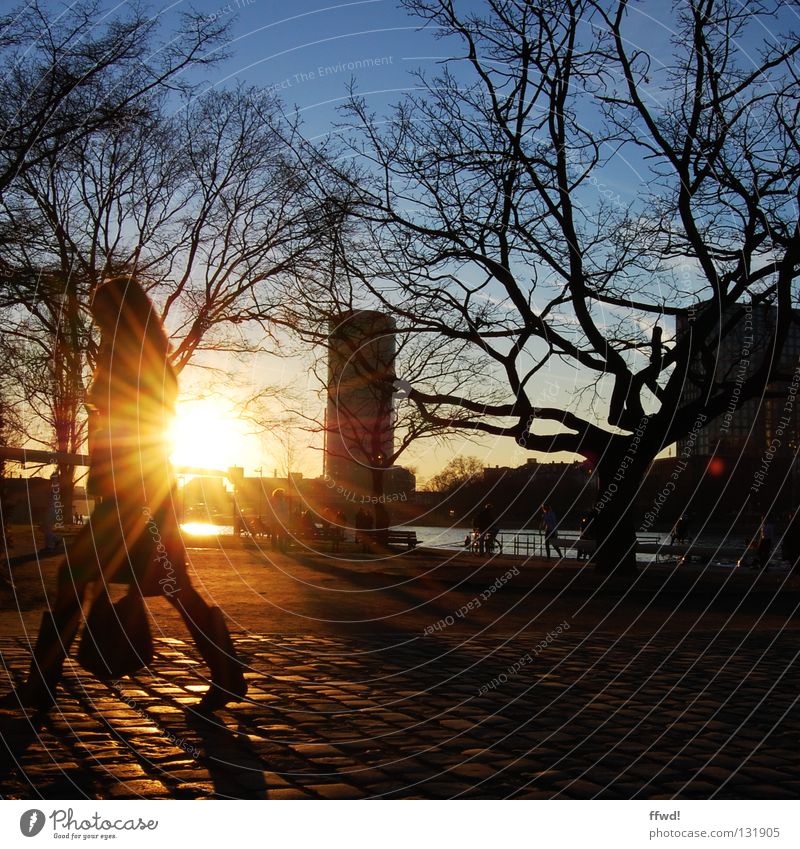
[615, 537]
[66, 480]
[3, 501]
[617, 513]
[382, 518]
[68, 397]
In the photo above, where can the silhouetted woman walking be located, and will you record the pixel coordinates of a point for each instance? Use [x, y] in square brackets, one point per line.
[133, 535]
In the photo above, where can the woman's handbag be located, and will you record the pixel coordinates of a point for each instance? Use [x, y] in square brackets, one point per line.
[116, 640]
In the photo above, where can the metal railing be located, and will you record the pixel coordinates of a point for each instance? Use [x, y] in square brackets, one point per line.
[522, 542]
[531, 543]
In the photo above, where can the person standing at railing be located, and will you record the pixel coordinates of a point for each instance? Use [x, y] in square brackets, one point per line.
[482, 523]
[791, 543]
[550, 528]
[766, 539]
[586, 535]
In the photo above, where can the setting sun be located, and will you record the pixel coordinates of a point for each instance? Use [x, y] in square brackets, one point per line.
[208, 434]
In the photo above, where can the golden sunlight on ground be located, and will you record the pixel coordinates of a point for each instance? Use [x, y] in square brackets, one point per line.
[208, 434]
[203, 529]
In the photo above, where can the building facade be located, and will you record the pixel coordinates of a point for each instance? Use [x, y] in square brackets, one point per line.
[749, 428]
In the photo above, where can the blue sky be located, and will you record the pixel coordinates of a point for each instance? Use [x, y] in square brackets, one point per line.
[308, 51]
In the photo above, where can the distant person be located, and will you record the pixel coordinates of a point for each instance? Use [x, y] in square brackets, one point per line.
[280, 526]
[257, 527]
[791, 542]
[491, 545]
[238, 520]
[363, 528]
[679, 532]
[482, 523]
[332, 526]
[586, 535]
[308, 524]
[766, 539]
[132, 536]
[550, 528]
[341, 525]
[6, 509]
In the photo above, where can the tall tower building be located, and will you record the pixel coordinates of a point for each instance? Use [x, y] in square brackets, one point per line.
[359, 431]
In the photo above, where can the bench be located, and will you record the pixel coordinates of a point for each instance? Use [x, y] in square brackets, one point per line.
[322, 532]
[406, 538]
[326, 532]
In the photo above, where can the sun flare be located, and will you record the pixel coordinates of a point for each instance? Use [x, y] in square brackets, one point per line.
[208, 434]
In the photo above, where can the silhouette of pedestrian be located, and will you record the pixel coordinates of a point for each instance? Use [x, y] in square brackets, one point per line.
[586, 535]
[550, 528]
[280, 527]
[132, 535]
[482, 523]
[766, 539]
[680, 532]
[363, 528]
[791, 542]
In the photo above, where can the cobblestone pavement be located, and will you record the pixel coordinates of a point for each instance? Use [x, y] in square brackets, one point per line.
[709, 715]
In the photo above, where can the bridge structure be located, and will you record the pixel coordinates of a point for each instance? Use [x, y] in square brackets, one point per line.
[39, 457]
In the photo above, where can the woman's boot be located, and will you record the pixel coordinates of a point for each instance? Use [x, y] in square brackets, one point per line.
[227, 677]
[210, 634]
[49, 654]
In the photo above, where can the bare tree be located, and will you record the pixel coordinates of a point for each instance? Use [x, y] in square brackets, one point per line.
[459, 472]
[245, 226]
[43, 353]
[66, 75]
[486, 218]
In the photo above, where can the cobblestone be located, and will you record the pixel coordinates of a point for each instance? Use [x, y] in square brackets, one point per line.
[373, 718]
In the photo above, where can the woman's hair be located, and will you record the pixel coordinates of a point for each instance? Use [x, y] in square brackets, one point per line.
[121, 307]
[130, 326]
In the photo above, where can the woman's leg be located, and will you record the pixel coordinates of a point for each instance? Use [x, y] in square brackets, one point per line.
[95, 541]
[210, 634]
[57, 631]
